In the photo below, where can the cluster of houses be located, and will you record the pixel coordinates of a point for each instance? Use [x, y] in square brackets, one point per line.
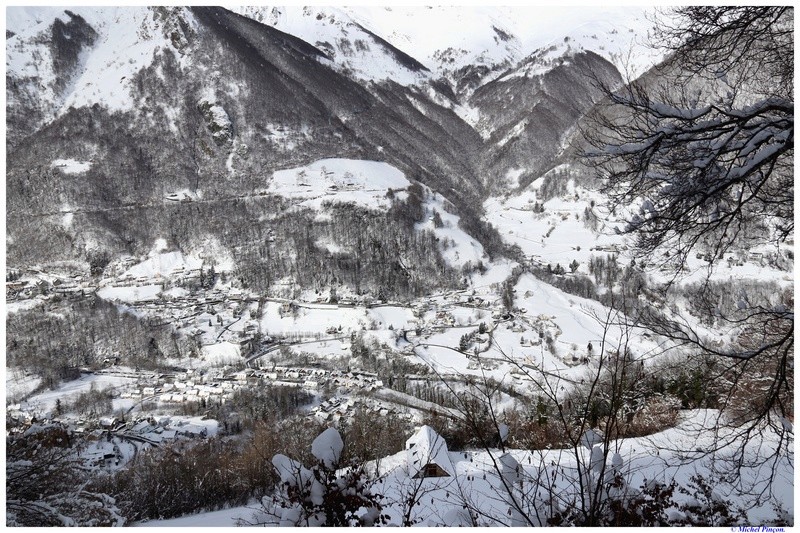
[72, 287]
[218, 385]
[310, 378]
[336, 408]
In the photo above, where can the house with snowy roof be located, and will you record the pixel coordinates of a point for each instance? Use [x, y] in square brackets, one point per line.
[427, 454]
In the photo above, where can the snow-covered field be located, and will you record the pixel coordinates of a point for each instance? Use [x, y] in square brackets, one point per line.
[312, 319]
[559, 234]
[144, 293]
[44, 403]
[71, 166]
[19, 384]
[349, 181]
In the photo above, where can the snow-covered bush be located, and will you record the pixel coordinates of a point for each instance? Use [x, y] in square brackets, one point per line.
[48, 485]
[324, 494]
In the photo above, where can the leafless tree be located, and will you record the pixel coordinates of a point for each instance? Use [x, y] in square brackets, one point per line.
[697, 156]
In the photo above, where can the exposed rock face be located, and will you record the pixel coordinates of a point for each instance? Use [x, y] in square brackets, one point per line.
[217, 121]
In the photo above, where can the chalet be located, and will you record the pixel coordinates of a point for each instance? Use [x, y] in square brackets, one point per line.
[427, 454]
[141, 428]
[192, 431]
[110, 422]
[96, 435]
[241, 376]
[107, 459]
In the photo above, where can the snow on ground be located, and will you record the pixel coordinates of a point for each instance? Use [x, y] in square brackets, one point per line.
[474, 478]
[123, 404]
[19, 384]
[496, 272]
[164, 264]
[397, 317]
[224, 518]
[211, 425]
[128, 39]
[544, 312]
[23, 305]
[312, 319]
[176, 292]
[71, 166]
[457, 246]
[333, 31]
[751, 269]
[330, 246]
[221, 354]
[66, 220]
[44, 402]
[580, 320]
[438, 352]
[559, 235]
[131, 294]
[360, 182]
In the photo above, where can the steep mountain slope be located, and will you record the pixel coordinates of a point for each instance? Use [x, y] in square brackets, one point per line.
[223, 103]
[528, 113]
[141, 119]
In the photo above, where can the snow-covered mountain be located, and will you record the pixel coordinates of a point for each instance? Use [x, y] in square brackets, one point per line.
[154, 105]
[466, 45]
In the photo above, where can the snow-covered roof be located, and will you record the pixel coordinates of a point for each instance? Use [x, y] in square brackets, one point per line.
[425, 447]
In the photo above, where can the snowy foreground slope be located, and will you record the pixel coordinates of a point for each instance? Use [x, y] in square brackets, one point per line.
[478, 479]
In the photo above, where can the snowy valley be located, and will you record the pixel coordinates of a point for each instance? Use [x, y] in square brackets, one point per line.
[325, 266]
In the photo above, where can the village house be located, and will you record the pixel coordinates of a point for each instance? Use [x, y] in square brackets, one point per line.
[427, 454]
